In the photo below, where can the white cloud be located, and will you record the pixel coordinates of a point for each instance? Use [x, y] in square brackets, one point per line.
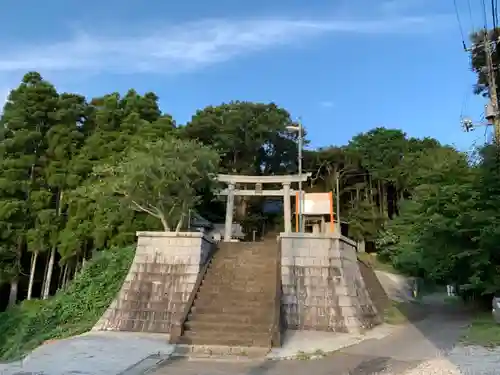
[193, 45]
[400, 6]
[327, 104]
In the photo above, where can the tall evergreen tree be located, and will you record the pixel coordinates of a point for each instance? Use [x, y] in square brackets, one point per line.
[28, 115]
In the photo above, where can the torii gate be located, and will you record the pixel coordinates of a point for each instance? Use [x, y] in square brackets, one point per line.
[286, 193]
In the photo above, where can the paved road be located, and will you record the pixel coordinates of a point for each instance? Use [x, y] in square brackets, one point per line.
[407, 348]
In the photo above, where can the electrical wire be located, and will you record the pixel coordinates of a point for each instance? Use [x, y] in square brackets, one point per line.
[485, 16]
[470, 14]
[465, 103]
[457, 14]
[494, 16]
[495, 12]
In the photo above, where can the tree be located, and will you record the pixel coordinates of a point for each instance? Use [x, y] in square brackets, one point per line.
[112, 124]
[381, 152]
[478, 59]
[160, 178]
[28, 115]
[433, 235]
[251, 137]
[64, 141]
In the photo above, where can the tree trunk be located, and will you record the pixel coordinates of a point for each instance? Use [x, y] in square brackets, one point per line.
[179, 224]
[65, 275]
[60, 281]
[76, 269]
[361, 246]
[50, 268]
[385, 212]
[14, 286]
[163, 220]
[46, 290]
[34, 258]
[84, 254]
[380, 198]
[45, 275]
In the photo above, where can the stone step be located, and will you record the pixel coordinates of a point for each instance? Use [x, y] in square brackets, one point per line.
[263, 276]
[223, 326]
[230, 301]
[212, 292]
[262, 253]
[237, 287]
[220, 352]
[238, 309]
[229, 339]
[248, 318]
[233, 276]
[248, 267]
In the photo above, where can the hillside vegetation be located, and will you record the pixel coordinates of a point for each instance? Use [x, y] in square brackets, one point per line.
[71, 311]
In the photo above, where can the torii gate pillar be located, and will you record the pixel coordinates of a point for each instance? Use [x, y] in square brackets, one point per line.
[286, 208]
[228, 225]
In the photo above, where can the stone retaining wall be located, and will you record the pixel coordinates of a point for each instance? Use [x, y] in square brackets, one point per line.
[159, 282]
[322, 286]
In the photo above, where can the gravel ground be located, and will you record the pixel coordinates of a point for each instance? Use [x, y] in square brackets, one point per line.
[482, 362]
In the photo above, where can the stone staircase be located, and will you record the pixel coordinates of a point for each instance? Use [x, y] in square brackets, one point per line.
[235, 304]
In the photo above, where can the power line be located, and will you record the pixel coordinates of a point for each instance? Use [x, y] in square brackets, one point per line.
[457, 14]
[485, 17]
[493, 14]
[470, 14]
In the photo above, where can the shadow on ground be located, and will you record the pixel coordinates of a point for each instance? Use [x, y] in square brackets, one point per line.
[429, 328]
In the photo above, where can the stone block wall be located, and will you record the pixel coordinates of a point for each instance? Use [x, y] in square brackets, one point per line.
[322, 286]
[159, 282]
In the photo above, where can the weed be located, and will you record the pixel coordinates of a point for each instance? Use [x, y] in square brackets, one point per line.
[483, 331]
[70, 312]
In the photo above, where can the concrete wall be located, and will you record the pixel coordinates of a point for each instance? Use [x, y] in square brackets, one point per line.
[322, 285]
[159, 282]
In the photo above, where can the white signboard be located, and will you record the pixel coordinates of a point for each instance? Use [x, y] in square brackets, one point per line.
[317, 204]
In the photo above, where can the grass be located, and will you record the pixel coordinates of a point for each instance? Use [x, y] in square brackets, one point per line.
[374, 261]
[483, 331]
[403, 312]
[70, 312]
[394, 314]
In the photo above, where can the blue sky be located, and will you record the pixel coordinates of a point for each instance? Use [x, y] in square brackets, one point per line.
[344, 67]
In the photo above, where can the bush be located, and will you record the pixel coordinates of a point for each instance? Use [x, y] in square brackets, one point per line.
[71, 311]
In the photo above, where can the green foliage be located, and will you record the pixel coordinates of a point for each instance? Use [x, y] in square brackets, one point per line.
[251, 137]
[448, 232]
[71, 311]
[483, 331]
[160, 178]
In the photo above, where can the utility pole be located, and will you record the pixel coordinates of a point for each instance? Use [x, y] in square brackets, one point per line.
[492, 107]
[300, 130]
[337, 202]
[301, 198]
